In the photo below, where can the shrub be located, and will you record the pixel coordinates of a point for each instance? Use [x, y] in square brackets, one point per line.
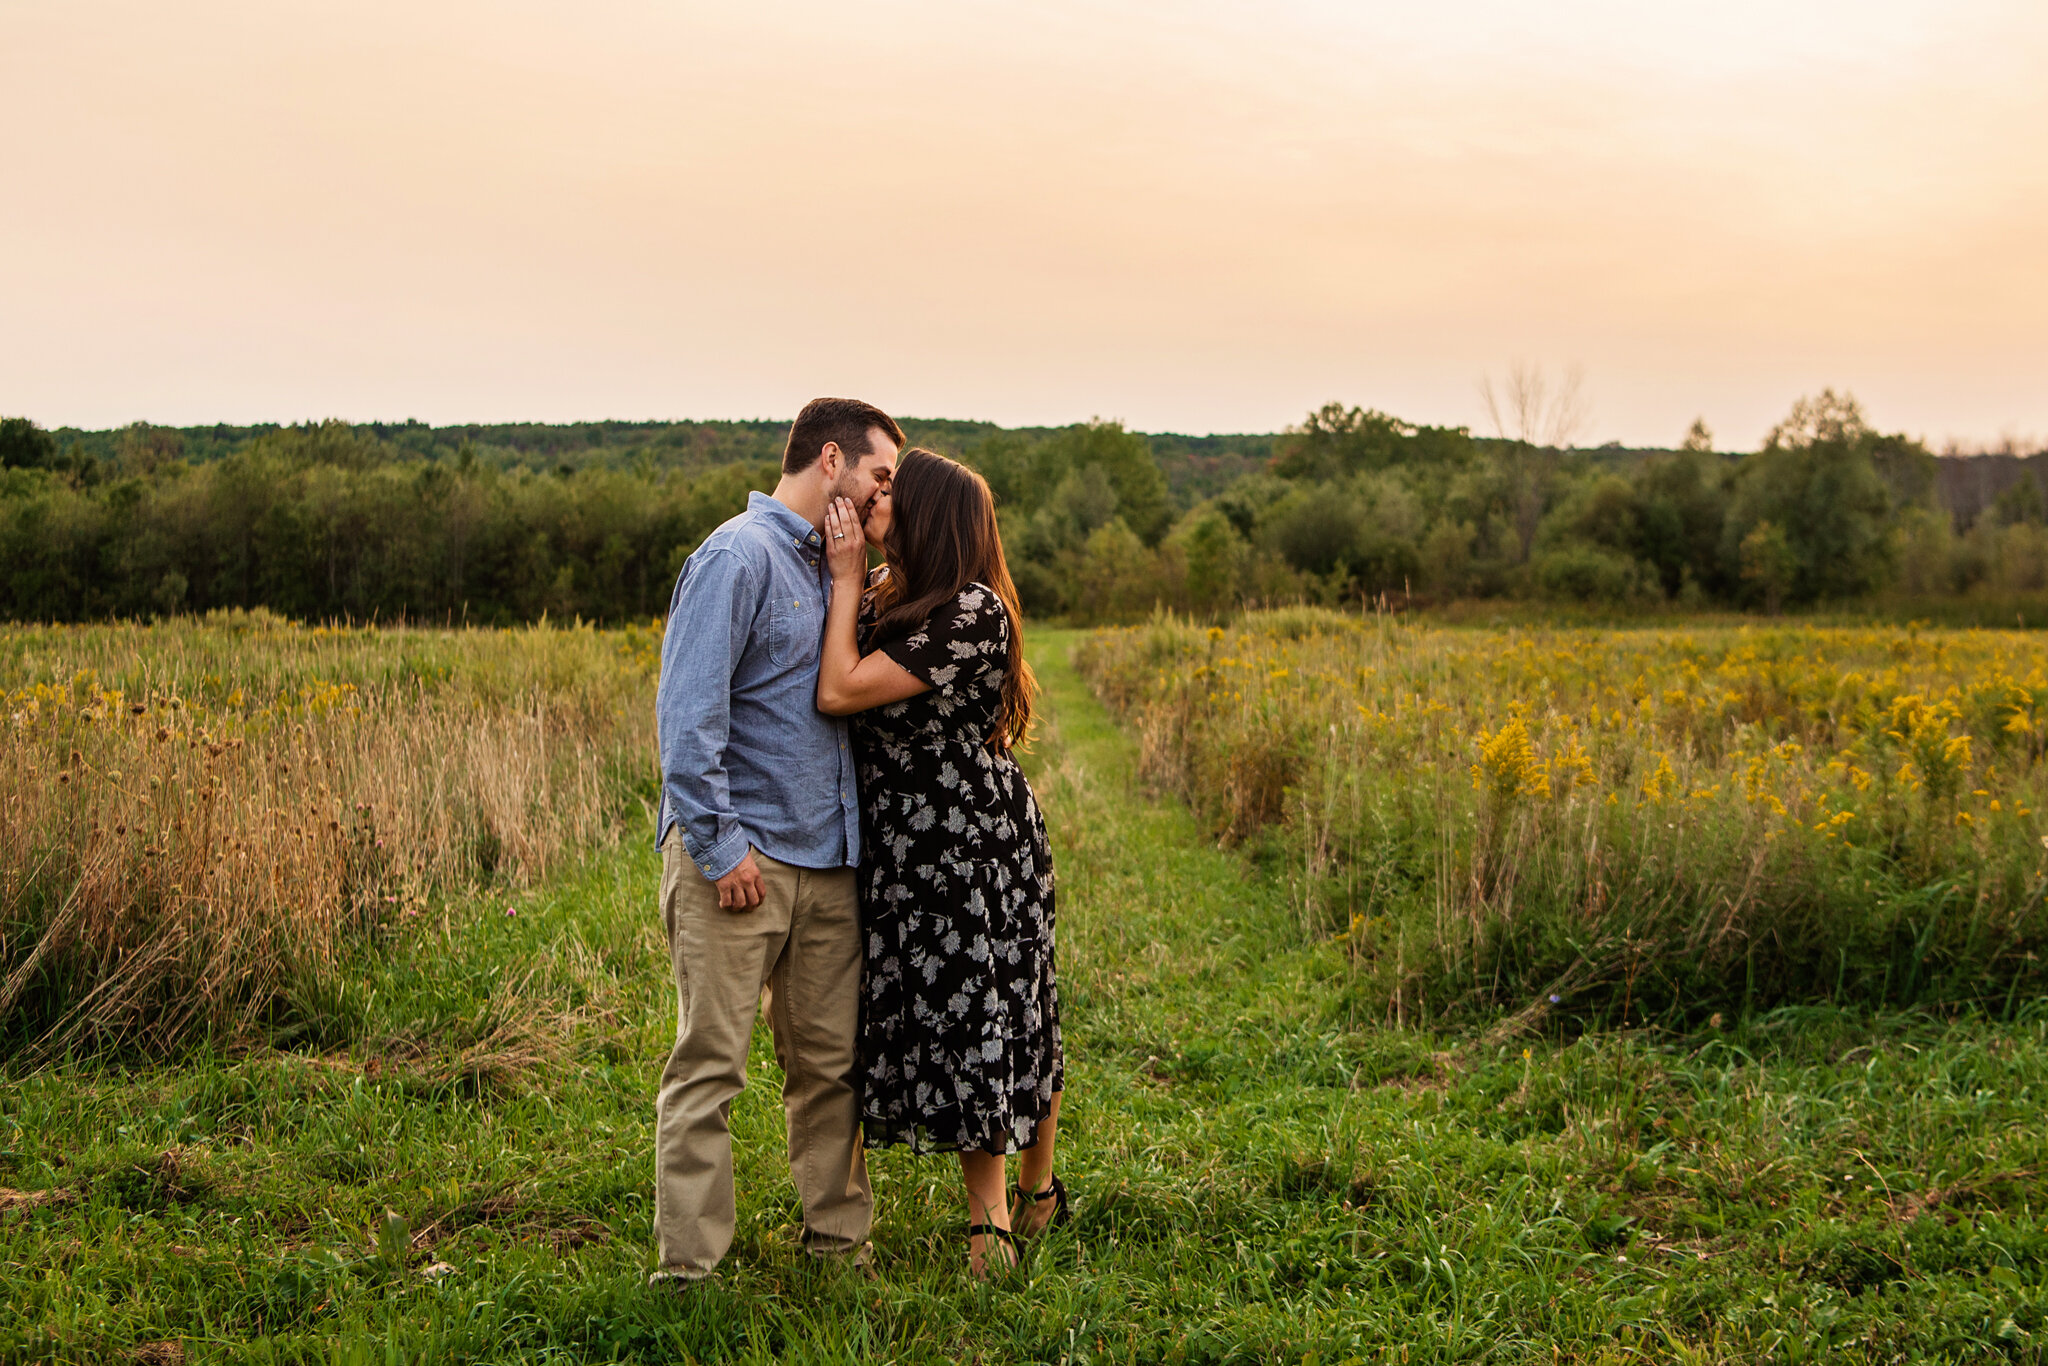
[1589, 573]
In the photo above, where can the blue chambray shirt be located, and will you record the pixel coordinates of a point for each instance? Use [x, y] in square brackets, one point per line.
[746, 756]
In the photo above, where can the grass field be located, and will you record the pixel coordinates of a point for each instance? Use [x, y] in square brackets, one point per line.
[463, 1172]
[1669, 822]
[203, 817]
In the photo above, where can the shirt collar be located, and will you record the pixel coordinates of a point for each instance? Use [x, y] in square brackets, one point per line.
[785, 518]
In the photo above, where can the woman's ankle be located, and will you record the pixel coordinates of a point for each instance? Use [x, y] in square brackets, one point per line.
[993, 1250]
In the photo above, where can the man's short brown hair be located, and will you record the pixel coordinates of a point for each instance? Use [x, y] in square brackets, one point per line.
[846, 421]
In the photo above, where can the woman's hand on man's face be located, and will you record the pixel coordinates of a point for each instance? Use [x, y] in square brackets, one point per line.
[846, 550]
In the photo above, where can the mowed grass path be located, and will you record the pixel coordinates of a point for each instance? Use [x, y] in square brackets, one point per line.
[1259, 1176]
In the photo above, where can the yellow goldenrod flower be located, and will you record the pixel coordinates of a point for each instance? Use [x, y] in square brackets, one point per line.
[1508, 767]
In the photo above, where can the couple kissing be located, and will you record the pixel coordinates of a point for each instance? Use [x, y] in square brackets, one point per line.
[846, 836]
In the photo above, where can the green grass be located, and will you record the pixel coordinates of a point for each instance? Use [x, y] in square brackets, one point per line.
[1257, 1178]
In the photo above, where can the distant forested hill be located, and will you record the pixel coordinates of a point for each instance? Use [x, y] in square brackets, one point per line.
[1198, 465]
[504, 522]
[480, 522]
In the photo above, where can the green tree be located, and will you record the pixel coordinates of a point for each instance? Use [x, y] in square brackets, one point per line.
[1016, 468]
[1907, 468]
[1334, 442]
[2020, 503]
[1385, 557]
[1608, 512]
[1119, 575]
[1680, 508]
[1815, 482]
[1769, 564]
[1588, 573]
[1247, 502]
[24, 445]
[1125, 459]
[1446, 557]
[1929, 560]
[1215, 556]
[1083, 501]
[141, 448]
[1317, 529]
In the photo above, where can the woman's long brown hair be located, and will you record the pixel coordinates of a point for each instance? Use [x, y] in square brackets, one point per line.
[942, 538]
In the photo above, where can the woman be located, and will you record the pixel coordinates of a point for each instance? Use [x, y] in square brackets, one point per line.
[959, 1035]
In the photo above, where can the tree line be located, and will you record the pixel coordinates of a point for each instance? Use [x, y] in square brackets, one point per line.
[1357, 505]
[503, 524]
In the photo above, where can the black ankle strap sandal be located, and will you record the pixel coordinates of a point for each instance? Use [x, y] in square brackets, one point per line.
[1009, 1240]
[1055, 1192]
[985, 1230]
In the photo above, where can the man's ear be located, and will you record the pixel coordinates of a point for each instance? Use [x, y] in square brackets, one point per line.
[830, 460]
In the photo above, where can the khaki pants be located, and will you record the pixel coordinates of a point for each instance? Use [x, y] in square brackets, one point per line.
[803, 944]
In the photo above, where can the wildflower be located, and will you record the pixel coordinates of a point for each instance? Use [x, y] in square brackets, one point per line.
[1508, 766]
[1658, 785]
[1571, 766]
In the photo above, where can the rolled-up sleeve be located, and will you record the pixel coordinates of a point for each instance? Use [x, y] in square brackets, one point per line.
[716, 599]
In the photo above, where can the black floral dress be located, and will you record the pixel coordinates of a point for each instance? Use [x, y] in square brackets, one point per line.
[960, 1029]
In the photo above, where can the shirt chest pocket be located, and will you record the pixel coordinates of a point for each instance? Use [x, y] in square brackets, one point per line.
[794, 628]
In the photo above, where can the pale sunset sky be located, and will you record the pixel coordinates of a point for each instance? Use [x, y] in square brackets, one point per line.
[1198, 216]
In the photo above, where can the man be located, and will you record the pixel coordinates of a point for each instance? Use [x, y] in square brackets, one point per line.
[759, 834]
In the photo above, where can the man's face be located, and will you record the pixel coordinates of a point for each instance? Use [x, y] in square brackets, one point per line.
[860, 483]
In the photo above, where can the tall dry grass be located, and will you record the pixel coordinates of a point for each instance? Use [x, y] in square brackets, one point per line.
[1615, 821]
[204, 820]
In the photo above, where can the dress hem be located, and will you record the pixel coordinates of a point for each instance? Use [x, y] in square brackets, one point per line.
[896, 1135]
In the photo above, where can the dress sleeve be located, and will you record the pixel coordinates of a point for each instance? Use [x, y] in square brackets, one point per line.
[959, 645]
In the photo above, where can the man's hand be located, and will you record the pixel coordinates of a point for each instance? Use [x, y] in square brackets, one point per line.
[742, 888]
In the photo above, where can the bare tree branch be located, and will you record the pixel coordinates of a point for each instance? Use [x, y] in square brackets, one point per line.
[1492, 402]
[1571, 412]
[1526, 409]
